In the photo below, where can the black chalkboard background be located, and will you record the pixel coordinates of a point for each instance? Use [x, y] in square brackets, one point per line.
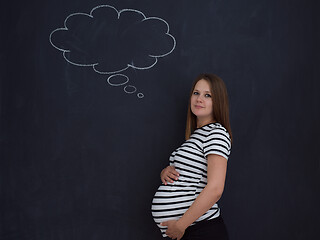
[80, 159]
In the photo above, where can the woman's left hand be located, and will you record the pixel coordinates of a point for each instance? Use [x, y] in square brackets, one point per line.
[174, 231]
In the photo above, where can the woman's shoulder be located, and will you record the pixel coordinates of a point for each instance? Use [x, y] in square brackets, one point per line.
[213, 129]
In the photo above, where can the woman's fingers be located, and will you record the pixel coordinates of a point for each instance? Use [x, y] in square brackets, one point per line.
[169, 174]
[168, 179]
[173, 171]
[163, 179]
[173, 176]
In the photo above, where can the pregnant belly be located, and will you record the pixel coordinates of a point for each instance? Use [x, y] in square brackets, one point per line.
[171, 201]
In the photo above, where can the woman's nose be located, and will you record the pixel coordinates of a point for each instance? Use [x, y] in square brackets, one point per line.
[199, 98]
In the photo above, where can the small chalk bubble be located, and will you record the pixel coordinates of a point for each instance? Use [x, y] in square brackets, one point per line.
[117, 80]
[130, 89]
[140, 95]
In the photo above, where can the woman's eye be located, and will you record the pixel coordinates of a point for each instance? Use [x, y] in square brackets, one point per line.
[195, 93]
[208, 95]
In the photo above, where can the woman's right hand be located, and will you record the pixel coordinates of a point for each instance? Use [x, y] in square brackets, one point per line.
[169, 174]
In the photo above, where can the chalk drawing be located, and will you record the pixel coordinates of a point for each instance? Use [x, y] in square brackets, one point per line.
[112, 41]
[128, 90]
[124, 80]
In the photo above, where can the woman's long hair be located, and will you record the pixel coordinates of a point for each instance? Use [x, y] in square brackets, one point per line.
[220, 104]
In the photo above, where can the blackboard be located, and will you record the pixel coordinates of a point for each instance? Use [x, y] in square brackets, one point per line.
[82, 147]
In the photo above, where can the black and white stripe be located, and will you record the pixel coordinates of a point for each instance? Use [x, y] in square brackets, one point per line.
[171, 201]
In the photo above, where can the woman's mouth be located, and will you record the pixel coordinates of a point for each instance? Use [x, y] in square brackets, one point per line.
[198, 107]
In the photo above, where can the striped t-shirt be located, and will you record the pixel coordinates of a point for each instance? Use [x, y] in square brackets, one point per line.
[171, 201]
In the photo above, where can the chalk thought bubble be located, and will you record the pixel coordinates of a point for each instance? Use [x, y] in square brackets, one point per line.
[111, 41]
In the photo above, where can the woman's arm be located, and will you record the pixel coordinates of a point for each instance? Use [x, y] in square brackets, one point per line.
[216, 174]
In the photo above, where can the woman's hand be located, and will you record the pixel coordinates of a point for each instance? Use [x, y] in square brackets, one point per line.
[174, 231]
[169, 174]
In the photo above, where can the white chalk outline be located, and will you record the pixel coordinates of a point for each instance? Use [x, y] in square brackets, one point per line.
[117, 84]
[140, 95]
[65, 28]
[135, 89]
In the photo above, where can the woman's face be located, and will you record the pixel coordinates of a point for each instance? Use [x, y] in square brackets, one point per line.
[201, 101]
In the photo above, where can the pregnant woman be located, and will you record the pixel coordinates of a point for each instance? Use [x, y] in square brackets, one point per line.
[185, 205]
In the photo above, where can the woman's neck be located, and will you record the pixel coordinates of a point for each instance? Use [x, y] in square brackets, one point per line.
[202, 122]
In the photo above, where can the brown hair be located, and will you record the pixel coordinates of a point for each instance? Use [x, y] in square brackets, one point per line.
[220, 104]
